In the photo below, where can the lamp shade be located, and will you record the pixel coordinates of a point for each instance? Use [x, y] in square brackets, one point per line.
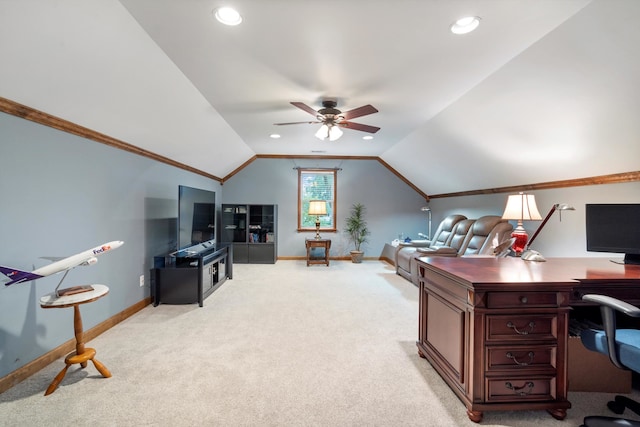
[521, 207]
[317, 207]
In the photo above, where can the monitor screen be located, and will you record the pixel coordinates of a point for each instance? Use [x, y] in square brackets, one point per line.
[196, 216]
[614, 228]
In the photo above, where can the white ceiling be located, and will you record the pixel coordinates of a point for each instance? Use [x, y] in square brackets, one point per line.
[543, 90]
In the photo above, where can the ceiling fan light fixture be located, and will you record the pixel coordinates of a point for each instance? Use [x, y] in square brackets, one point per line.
[335, 133]
[333, 119]
[329, 131]
[228, 16]
[465, 25]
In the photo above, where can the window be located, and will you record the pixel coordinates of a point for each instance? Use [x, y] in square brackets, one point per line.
[316, 184]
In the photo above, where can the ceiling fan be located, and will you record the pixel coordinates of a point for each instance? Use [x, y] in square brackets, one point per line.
[333, 119]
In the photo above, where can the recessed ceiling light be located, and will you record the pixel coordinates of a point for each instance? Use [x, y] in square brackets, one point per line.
[227, 16]
[367, 137]
[274, 136]
[465, 25]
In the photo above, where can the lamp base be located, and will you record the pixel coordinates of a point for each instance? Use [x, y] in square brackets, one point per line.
[318, 229]
[521, 236]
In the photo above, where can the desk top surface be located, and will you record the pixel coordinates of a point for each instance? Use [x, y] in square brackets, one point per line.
[53, 301]
[553, 271]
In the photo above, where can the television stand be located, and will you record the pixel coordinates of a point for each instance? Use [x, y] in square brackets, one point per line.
[191, 274]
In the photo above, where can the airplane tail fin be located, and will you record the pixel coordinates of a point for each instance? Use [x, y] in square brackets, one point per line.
[17, 276]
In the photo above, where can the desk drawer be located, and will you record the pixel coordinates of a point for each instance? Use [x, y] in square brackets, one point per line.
[521, 327]
[521, 299]
[521, 389]
[521, 358]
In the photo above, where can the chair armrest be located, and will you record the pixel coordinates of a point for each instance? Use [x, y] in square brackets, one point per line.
[614, 303]
[608, 307]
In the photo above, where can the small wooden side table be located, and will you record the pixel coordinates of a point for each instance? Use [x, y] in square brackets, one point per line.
[318, 243]
[82, 354]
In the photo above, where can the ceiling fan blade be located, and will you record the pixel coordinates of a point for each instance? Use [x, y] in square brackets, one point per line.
[359, 112]
[305, 107]
[294, 123]
[359, 126]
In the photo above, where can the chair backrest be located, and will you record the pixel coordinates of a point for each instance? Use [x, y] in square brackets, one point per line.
[444, 232]
[485, 234]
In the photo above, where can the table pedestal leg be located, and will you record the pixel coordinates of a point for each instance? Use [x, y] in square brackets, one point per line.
[80, 356]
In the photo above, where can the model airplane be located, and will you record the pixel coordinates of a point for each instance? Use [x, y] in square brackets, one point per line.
[87, 257]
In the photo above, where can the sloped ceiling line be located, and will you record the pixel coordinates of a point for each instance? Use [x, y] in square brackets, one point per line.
[616, 178]
[28, 113]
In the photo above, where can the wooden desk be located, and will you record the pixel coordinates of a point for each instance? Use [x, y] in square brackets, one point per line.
[496, 329]
[318, 243]
[82, 354]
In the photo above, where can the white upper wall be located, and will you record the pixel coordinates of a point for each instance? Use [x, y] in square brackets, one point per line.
[565, 108]
[90, 62]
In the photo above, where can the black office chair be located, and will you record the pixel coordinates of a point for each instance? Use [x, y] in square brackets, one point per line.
[623, 348]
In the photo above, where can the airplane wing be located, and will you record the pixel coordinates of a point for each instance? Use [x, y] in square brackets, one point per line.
[53, 258]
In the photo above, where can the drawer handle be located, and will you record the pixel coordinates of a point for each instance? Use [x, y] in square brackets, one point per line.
[524, 300]
[519, 391]
[530, 354]
[523, 332]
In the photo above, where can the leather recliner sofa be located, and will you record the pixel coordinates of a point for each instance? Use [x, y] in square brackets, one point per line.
[441, 238]
[468, 237]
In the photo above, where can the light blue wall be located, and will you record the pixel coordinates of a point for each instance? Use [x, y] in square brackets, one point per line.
[62, 194]
[392, 207]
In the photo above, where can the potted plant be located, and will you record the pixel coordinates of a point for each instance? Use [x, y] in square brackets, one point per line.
[356, 227]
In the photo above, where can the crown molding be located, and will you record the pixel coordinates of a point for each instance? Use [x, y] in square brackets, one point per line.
[31, 114]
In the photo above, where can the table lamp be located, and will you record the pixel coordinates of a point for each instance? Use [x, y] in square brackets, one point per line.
[528, 254]
[521, 207]
[317, 208]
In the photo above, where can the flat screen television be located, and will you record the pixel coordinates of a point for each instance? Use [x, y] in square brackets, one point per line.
[196, 216]
[614, 228]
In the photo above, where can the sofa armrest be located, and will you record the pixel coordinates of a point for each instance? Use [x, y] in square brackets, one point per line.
[416, 243]
[439, 251]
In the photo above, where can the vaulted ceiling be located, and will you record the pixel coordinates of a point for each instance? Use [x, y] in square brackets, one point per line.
[543, 90]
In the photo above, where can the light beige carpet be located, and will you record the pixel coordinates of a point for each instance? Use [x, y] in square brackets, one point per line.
[279, 345]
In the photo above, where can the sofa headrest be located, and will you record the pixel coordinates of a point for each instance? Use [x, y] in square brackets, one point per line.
[484, 225]
[449, 222]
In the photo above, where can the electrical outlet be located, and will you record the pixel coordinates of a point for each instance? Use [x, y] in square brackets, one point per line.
[141, 280]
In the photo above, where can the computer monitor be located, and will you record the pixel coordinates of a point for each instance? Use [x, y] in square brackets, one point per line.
[614, 228]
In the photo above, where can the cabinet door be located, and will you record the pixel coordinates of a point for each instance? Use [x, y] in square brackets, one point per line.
[262, 253]
[240, 253]
[444, 334]
[261, 223]
[234, 224]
